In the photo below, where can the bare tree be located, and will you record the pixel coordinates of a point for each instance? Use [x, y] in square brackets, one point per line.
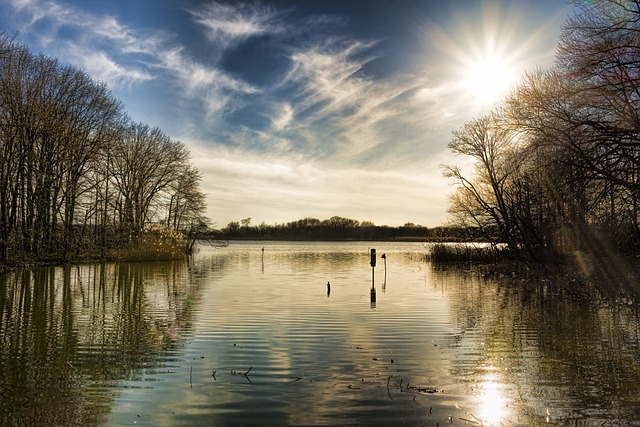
[186, 202]
[558, 164]
[144, 165]
[482, 197]
[12, 158]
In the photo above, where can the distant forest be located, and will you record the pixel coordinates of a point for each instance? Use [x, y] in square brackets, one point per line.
[557, 162]
[77, 176]
[339, 228]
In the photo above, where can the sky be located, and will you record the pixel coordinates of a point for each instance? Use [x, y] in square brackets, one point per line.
[307, 108]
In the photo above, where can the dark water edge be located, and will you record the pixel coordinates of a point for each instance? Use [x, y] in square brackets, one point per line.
[125, 343]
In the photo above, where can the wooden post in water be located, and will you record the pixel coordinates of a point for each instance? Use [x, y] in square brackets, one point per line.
[373, 267]
[384, 282]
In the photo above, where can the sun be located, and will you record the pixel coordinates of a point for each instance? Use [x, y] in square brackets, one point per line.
[488, 78]
[486, 51]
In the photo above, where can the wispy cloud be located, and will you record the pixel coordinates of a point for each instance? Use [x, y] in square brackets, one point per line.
[329, 74]
[96, 44]
[125, 39]
[283, 117]
[94, 29]
[363, 119]
[104, 68]
[226, 23]
[121, 56]
[212, 88]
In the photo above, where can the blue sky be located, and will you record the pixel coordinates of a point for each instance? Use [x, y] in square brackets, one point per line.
[308, 108]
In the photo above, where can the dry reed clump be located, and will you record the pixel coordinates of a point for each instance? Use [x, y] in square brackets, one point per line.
[441, 252]
[155, 243]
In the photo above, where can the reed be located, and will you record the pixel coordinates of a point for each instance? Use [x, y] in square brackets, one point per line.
[441, 253]
[155, 243]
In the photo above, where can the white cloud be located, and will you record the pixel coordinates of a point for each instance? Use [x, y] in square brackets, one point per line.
[329, 74]
[103, 68]
[127, 40]
[121, 56]
[351, 117]
[283, 118]
[226, 23]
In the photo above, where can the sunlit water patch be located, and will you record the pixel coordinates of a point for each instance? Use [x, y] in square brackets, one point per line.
[251, 334]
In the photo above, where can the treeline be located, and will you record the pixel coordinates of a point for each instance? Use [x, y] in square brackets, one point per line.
[340, 228]
[557, 163]
[76, 174]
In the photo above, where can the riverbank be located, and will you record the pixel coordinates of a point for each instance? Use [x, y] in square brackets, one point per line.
[615, 278]
[144, 250]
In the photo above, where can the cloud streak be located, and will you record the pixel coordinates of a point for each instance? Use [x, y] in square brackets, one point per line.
[122, 57]
[228, 23]
[213, 89]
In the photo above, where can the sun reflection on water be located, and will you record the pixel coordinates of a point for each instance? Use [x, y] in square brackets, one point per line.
[492, 400]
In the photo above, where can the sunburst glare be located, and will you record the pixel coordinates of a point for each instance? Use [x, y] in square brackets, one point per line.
[488, 57]
[488, 78]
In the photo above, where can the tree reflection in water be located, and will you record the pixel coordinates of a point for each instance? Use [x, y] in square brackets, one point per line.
[68, 334]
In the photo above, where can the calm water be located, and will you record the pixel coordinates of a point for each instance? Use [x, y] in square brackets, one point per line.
[242, 336]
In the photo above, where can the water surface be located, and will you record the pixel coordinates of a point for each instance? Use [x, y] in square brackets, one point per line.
[250, 335]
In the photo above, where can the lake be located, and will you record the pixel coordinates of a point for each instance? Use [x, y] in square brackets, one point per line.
[250, 334]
